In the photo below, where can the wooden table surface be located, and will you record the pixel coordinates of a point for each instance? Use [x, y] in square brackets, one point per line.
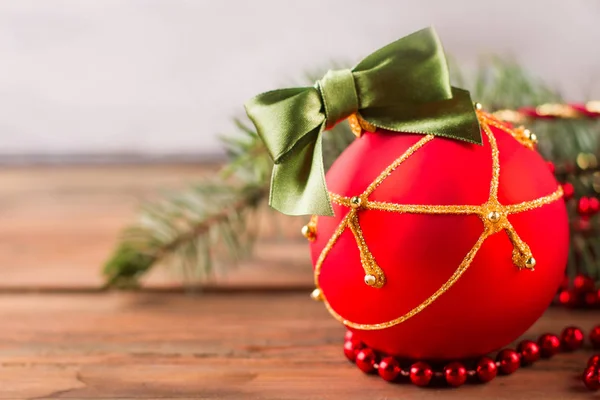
[256, 336]
[214, 346]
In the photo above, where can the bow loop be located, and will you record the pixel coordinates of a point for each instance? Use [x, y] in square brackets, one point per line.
[339, 95]
[403, 87]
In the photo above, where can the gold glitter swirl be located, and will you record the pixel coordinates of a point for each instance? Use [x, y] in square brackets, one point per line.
[492, 213]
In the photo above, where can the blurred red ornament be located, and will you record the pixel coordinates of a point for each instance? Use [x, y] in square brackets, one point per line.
[568, 190]
[583, 284]
[389, 369]
[594, 204]
[567, 298]
[530, 352]
[549, 345]
[591, 378]
[551, 166]
[486, 369]
[351, 348]
[595, 336]
[421, 374]
[365, 360]
[590, 299]
[509, 361]
[583, 206]
[455, 374]
[571, 338]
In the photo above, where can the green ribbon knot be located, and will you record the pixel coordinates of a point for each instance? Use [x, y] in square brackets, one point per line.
[402, 87]
[339, 95]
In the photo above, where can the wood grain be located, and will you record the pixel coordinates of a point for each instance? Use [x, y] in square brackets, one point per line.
[143, 346]
[60, 224]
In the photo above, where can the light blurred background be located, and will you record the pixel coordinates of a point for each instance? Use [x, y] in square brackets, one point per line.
[138, 80]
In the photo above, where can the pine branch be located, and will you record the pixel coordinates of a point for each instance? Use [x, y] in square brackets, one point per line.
[206, 226]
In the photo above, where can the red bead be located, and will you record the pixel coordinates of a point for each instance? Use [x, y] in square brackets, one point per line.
[595, 336]
[583, 284]
[549, 345]
[509, 361]
[594, 361]
[551, 166]
[583, 206]
[590, 299]
[567, 298]
[594, 205]
[591, 380]
[486, 369]
[568, 190]
[365, 360]
[530, 352]
[420, 373]
[348, 336]
[455, 373]
[571, 338]
[389, 369]
[351, 348]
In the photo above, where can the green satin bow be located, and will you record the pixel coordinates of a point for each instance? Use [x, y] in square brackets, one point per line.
[402, 87]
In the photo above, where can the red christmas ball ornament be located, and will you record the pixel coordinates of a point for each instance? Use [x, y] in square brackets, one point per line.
[486, 369]
[591, 379]
[389, 369]
[571, 338]
[583, 284]
[509, 361]
[568, 190]
[551, 166]
[351, 348]
[432, 233]
[365, 360]
[455, 374]
[549, 345]
[595, 336]
[529, 351]
[420, 374]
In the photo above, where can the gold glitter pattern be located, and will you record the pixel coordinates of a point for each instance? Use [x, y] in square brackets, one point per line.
[492, 213]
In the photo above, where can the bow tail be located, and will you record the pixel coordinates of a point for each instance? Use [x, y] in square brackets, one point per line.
[298, 182]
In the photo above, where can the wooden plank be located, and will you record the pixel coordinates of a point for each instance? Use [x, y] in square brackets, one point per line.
[60, 223]
[142, 346]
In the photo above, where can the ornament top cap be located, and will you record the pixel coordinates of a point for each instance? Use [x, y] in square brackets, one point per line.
[402, 87]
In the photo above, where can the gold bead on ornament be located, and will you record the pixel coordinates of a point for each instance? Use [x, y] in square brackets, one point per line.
[355, 202]
[494, 216]
[370, 280]
[317, 295]
[530, 135]
[530, 263]
[309, 232]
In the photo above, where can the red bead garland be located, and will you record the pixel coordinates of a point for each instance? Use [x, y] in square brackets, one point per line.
[529, 351]
[421, 374]
[455, 374]
[549, 345]
[571, 338]
[508, 361]
[365, 360]
[485, 369]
